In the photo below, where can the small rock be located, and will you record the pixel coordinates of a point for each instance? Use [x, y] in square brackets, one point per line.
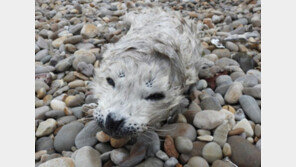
[210, 103]
[64, 64]
[59, 41]
[211, 152]
[41, 54]
[189, 114]
[258, 144]
[216, 19]
[183, 144]
[38, 154]
[118, 155]
[197, 161]
[223, 79]
[103, 147]
[66, 119]
[220, 133]
[171, 162]
[117, 143]
[258, 130]
[86, 69]
[243, 152]
[46, 127]
[246, 62]
[54, 114]
[251, 108]
[244, 123]
[87, 156]
[74, 101]
[233, 93]
[89, 30]
[73, 40]
[231, 46]
[151, 162]
[162, 155]
[178, 129]
[207, 138]
[208, 22]
[236, 75]
[202, 132]
[208, 119]
[201, 84]
[44, 143]
[253, 91]
[87, 136]
[59, 162]
[57, 105]
[236, 131]
[221, 53]
[169, 147]
[102, 137]
[197, 148]
[65, 138]
[226, 150]
[76, 83]
[220, 163]
[83, 56]
[239, 114]
[40, 112]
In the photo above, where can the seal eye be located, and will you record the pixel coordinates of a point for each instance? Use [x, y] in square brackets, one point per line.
[110, 81]
[155, 96]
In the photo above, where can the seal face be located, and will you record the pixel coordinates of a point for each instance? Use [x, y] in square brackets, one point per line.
[142, 76]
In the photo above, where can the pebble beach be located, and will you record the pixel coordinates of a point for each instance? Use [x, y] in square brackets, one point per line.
[219, 127]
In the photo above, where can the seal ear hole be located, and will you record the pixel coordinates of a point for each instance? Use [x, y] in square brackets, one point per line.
[110, 81]
[155, 96]
[121, 75]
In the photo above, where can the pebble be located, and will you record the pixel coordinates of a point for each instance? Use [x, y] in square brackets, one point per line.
[236, 75]
[65, 138]
[221, 53]
[58, 42]
[75, 28]
[197, 148]
[202, 132]
[243, 152]
[118, 155]
[39, 84]
[258, 144]
[236, 131]
[178, 129]
[183, 144]
[151, 140]
[83, 56]
[169, 147]
[244, 123]
[86, 69]
[239, 114]
[54, 114]
[70, 48]
[255, 73]
[201, 84]
[226, 150]
[74, 101]
[162, 155]
[207, 138]
[208, 119]
[40, 112]
[211, 57]
[246, 62]
[223, 79]
[64, 64]
[220, 163]
[251, 108]
[87, 156]
[223, 89]
[221, 132]
[197, 161]
[253, 91]
[59, 162]
[41, 54]
[210, 103]
[46, 127]
[258, 130]
[103, 147]
[105, 156]
[38, 154]
[76, 83]
[57, 105]
[255, 20]
[231, 46]
[171, 162]
[89, 30]
[44, 143]
[250, 81]
[73, 40]
[151, 162]
[66, 119]
[117, 143]
[102, 137]
[233, 93]
[87, 136]
[211, 152]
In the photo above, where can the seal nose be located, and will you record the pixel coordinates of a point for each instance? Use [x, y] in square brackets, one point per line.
[113, 124]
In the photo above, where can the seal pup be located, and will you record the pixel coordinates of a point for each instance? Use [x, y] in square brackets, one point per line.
[143, 76]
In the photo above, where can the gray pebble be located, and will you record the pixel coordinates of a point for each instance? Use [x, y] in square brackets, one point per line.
[210, 103]
[162, 155]
[231, 46]
[87, 136]
[77, 112]
[66, 119]
[45, 143]
[41, 54]
[103, 147]
[54, 114]
[251, 108]
[223, 79]
[171, 162]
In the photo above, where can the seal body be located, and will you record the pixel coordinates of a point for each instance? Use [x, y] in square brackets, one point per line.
[142, 77]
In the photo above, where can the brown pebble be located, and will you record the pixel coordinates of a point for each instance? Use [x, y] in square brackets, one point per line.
[169, 147]
[237, 131]
[208, 22]
[102, 137]
[117, 143]
[229, 108]
[81, 76]
[179, 165]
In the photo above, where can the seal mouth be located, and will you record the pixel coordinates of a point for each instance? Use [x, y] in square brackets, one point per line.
[119, 133]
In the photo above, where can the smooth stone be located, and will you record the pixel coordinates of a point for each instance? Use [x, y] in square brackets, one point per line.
[211, 152]
[210, 103]
[89, 30]
[162, 155]
[103, 147]
[45, 143]
[178, 129]
[38, 154]
[244, 123]
[83, 56]
[46, 127]
[197, 161]
[151, 140]
[251, 108]
[91, 99]
[118, 155]
[105, 156]
[225, 61]
[74, 101]
[54, 114]
[236, 75]
[223, 79]
[208, 119]
[40, 112]
[57, 105]
[69, 77]
[233, 93]
[226, 150]
[243, 152]
[221, 53]
[223, 89]
[41, 54]
[216, 19]
[211, 57]
[258, 130]
[240, 21]
[255, 20]
[73, 39]
[255, 73]
[221, 132]
[250, 81]
[246, 62]
[64, 64]
[42, 43]
[59, 41]
[86, 69]
[39, 84]
[169, 147]
[232, 46]
[76, 83]
[151, 162]
[220, 163]
[66, 119]
[59, 162]
[43, 69]
[87, 156]
[117, 143]
[258, 144]
[253, 91]
[85, 46]
[183, 144]
[77, 112]
[201, 84]
[102, 137]
[171, 162]
[202, 132]
[193, 107]
[207, 138]
[76, 28]
[65, 138]
[87, 136]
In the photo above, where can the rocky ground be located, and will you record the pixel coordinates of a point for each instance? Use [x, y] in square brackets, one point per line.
[220, 128]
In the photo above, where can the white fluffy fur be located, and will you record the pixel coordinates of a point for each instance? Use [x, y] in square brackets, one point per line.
[161, 47]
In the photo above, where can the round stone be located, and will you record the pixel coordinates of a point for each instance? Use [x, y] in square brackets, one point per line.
[197, 161]
[211, 152]
[183, 144]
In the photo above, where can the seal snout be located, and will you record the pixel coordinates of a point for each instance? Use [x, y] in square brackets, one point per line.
[113, 124]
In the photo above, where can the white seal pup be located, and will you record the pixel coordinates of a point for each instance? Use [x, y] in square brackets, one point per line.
[142, 77]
